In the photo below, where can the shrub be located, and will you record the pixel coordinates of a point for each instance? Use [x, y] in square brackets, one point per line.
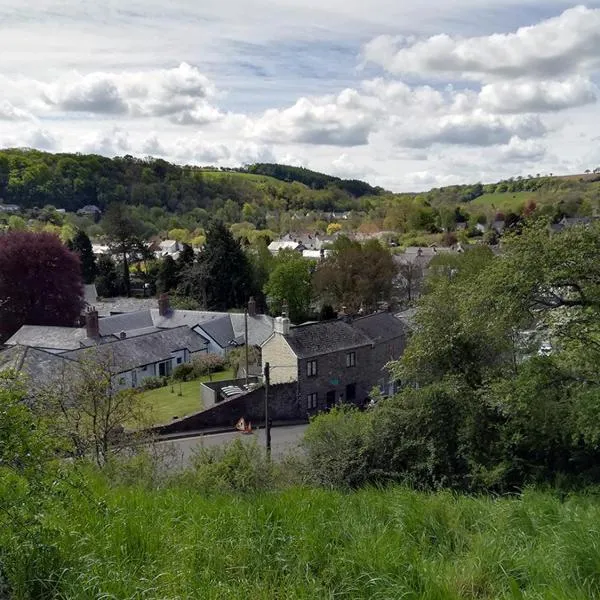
[208, 363]
[184, 372]
[236, 467]
[337, 447]
[153, 383]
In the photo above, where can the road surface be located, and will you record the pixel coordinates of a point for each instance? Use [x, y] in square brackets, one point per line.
[284, 440]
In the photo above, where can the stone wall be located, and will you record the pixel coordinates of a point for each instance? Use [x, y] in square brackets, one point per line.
[283, 406]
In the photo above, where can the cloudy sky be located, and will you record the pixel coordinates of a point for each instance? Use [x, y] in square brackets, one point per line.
[407, 95]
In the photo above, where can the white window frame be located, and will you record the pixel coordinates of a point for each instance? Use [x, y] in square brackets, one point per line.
[350, 359]
[312, 401]
[311, 368]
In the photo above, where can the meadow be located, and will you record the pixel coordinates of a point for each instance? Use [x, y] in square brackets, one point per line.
[131, 541]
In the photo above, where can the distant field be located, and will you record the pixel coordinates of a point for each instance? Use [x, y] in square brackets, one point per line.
[247, 176]
[509, 201]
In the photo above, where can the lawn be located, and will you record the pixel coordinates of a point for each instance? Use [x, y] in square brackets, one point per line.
[165, 404]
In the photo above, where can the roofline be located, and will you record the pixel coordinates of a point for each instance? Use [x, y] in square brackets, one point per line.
[136, 337]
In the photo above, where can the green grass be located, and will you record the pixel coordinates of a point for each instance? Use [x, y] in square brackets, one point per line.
[163, 405]
[133, 543]
[505, 202]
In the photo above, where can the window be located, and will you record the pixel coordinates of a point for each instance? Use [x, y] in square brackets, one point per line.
[351, 359]
[311, 401]
[179, 359]
[311, 368]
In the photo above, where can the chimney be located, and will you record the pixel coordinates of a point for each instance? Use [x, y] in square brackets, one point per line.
[251, 307]
[282, 326]
[163, 305]
[92, 326]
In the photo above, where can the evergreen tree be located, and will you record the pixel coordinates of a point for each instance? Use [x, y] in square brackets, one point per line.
[81, 245]
[186, 258]
[107, 278]
[167, 275]
[222, 277]
[125, 234]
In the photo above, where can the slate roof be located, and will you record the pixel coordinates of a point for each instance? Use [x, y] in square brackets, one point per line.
[40, 366]
[144, 349]
[114, 324]
[315, 339]
[113, 306]
[219, 329]
[57, 339]
[380, 327]
[260, 327]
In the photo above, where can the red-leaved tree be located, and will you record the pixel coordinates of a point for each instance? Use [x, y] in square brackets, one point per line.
[40, 282]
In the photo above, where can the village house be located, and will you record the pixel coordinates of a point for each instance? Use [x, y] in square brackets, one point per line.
[332, 362]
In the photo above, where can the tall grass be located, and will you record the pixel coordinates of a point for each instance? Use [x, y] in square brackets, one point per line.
[131, 542]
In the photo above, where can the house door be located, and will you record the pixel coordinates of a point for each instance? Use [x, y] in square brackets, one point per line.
[330, 399]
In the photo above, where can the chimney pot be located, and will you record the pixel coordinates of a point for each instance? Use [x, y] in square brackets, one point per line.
[163, 305]
[282, 325]
[92, 325]
[251, 307]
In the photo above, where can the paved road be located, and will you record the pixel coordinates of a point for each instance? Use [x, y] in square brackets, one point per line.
[283, 441]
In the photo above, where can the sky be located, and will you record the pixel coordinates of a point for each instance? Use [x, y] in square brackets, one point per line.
[405, 95]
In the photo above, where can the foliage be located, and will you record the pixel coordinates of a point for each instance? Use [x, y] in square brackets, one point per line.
[40, 282]
[222, 276]
[125, 235]
[355, 275]
[236, 358]
[153, 383]
[205, 364]
[108, 283]
[337, 447]
[168, 275]
[82, 245]
[290, 282]
[87, 409]
[183, 372]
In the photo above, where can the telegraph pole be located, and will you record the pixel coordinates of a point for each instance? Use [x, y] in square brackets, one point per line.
[267, 422]
[246, 341]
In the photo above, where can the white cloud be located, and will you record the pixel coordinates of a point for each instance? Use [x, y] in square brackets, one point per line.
[180, 93]
[476, 129]
[519, 150]
[9, 112]
[343, 166]
[342, 120]
[537, 96]
[555, 47]
[107, 143]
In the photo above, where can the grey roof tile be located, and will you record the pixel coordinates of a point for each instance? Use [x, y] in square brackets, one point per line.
[381, 327]
[324, 337]
[145, 349]
[126, 322]
[48, 337]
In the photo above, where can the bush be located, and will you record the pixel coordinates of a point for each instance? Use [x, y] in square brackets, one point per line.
[236, 467]
[184, 372]
[337, 447]
[153, 383]
[208, 363]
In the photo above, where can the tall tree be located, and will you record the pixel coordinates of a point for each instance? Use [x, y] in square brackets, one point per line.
[222, 277]
[167, 276]
[82, 245]
[124, 232]
[291, 282]
[107, 279]
[355, 275]
[40, 282]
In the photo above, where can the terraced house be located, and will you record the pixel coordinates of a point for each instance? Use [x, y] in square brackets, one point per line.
[331, 362]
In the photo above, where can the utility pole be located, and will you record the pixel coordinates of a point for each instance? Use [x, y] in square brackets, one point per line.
[267, 422]
[246, 341]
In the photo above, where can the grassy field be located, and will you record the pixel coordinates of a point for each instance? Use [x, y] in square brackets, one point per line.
[506, 202]
[163, 404]
[135, 543]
